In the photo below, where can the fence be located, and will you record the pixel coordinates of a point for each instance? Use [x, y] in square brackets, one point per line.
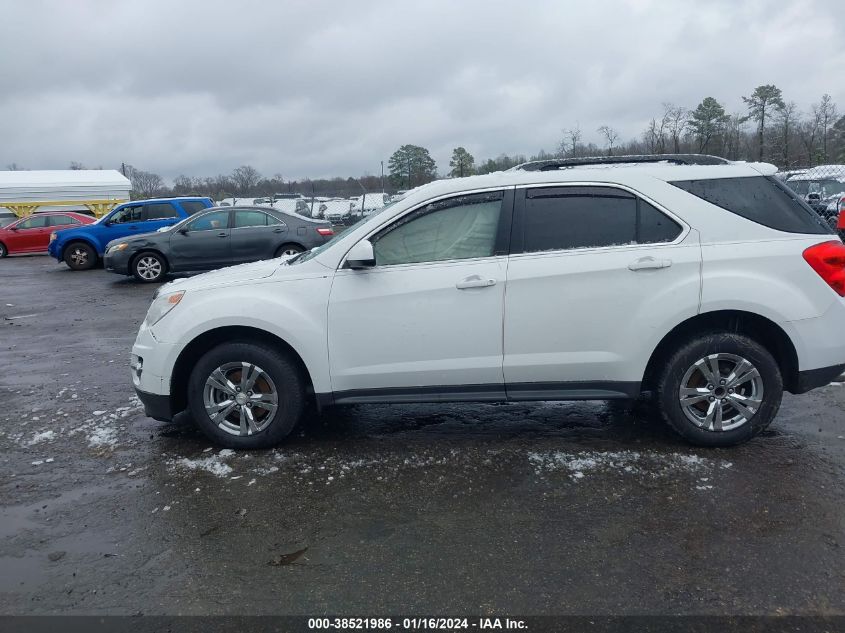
[823, 188]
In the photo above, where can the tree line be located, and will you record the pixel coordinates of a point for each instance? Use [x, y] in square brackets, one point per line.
[769, 129]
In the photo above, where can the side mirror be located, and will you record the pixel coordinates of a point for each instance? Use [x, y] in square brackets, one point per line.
[13, 228]
[183, 230]
[361, 256]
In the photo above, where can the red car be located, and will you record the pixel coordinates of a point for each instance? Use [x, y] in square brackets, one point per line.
[32, 234]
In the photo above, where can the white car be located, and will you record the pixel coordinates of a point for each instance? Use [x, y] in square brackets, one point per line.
[711, 286]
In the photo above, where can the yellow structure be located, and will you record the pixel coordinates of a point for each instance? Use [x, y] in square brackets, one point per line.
[98, 207]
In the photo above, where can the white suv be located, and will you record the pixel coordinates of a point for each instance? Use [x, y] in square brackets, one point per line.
[707, 283]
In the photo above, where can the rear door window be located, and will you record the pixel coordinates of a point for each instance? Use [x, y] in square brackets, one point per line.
[192, 206]
[564, 218]
[160, 211]
[250, 218]
[761, 199]
[63, 220]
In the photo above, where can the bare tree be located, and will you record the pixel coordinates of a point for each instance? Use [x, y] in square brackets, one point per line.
[610, 135]
[808, 132]
[76, 166]
[655, 135]
[677, 119]
[785, 122]
[145, 184]
[14, 167]
[570, 143]
[245, 178]
[826, 113]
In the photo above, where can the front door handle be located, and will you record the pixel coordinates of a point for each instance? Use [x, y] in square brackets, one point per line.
[222, 235]
[649, 263]
[475, 281]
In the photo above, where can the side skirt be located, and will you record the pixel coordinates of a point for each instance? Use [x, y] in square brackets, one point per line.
[610, 390]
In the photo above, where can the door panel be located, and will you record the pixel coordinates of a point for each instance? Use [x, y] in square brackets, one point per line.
[411, 326]
[32, 236]
[593, 314]
[204, 245]
[255, 235]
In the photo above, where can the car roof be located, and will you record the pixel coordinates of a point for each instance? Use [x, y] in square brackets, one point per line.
[616, 173]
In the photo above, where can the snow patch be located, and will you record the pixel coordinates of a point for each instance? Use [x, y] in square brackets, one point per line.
[624, 462]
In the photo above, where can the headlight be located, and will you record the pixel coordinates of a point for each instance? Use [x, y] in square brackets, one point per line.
[162, 305]
[53, 236]
[118, 247]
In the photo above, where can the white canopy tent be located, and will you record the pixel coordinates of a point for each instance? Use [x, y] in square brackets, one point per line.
[98, 190]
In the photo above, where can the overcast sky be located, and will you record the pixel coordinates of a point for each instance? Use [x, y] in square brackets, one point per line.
[332, 88]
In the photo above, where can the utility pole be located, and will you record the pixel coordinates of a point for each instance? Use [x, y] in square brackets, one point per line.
[409, 173]
[382, 177]
[123, 169]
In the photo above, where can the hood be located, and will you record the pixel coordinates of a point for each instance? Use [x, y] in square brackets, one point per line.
[131, 239]
[244, 273]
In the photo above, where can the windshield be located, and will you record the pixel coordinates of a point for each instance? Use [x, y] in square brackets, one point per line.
[304, 257]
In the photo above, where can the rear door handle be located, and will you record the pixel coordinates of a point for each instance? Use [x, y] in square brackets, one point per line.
[475, 281]
[222, 235]
[649, 263]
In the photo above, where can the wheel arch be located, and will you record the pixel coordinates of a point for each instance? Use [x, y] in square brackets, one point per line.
[80, 238]
[280, 247]
[192, 352]
[759, 328]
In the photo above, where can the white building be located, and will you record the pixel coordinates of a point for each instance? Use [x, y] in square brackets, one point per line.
[93, 190]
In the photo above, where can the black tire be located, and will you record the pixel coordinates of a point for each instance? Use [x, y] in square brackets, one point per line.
[80, 256]
[149, 267]
[289, 249]
[667, 393]
[281, 370]
[3, 250]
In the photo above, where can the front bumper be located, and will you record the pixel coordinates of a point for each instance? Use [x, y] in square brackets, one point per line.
[156, 406]
[54, 251]
[117, 262]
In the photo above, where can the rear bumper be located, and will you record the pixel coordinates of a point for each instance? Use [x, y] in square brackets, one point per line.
[156, 406]
[814, 378]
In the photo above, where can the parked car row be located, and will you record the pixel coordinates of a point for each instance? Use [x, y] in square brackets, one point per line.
[823, 188]
[151, 238]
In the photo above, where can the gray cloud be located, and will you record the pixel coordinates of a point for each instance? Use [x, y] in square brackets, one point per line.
[331, 88]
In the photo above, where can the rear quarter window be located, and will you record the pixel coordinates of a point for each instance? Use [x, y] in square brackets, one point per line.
[761, 199]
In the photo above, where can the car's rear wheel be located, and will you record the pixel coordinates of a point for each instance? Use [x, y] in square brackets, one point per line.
[720, 389]
[286, 250]
[3, 250]
[243, 395]
[80, 256]
[149, 267]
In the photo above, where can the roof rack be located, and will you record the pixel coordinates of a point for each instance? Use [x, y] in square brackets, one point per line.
[676, 159]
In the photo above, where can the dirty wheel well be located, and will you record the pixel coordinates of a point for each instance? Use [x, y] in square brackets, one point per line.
[200, 345]
[766, 332]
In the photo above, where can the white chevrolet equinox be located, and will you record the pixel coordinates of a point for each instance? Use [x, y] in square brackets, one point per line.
[707, 283]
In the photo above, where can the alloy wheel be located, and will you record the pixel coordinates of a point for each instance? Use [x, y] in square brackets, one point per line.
[149, 268]
[721, 392]
[240, 398]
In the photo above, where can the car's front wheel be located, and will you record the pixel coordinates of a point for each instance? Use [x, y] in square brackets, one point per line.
[80, 256]
[149, 267]
[720, 389]
[246, 396]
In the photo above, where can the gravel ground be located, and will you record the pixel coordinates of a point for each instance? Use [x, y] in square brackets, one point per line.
[541, 508]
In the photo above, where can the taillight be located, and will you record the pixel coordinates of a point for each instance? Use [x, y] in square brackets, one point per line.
[325, 231]
[828, 260]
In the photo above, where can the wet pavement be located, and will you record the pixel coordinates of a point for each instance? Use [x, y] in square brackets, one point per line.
[542, 508]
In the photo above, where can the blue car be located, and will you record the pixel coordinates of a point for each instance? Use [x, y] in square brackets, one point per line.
[81, 248]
